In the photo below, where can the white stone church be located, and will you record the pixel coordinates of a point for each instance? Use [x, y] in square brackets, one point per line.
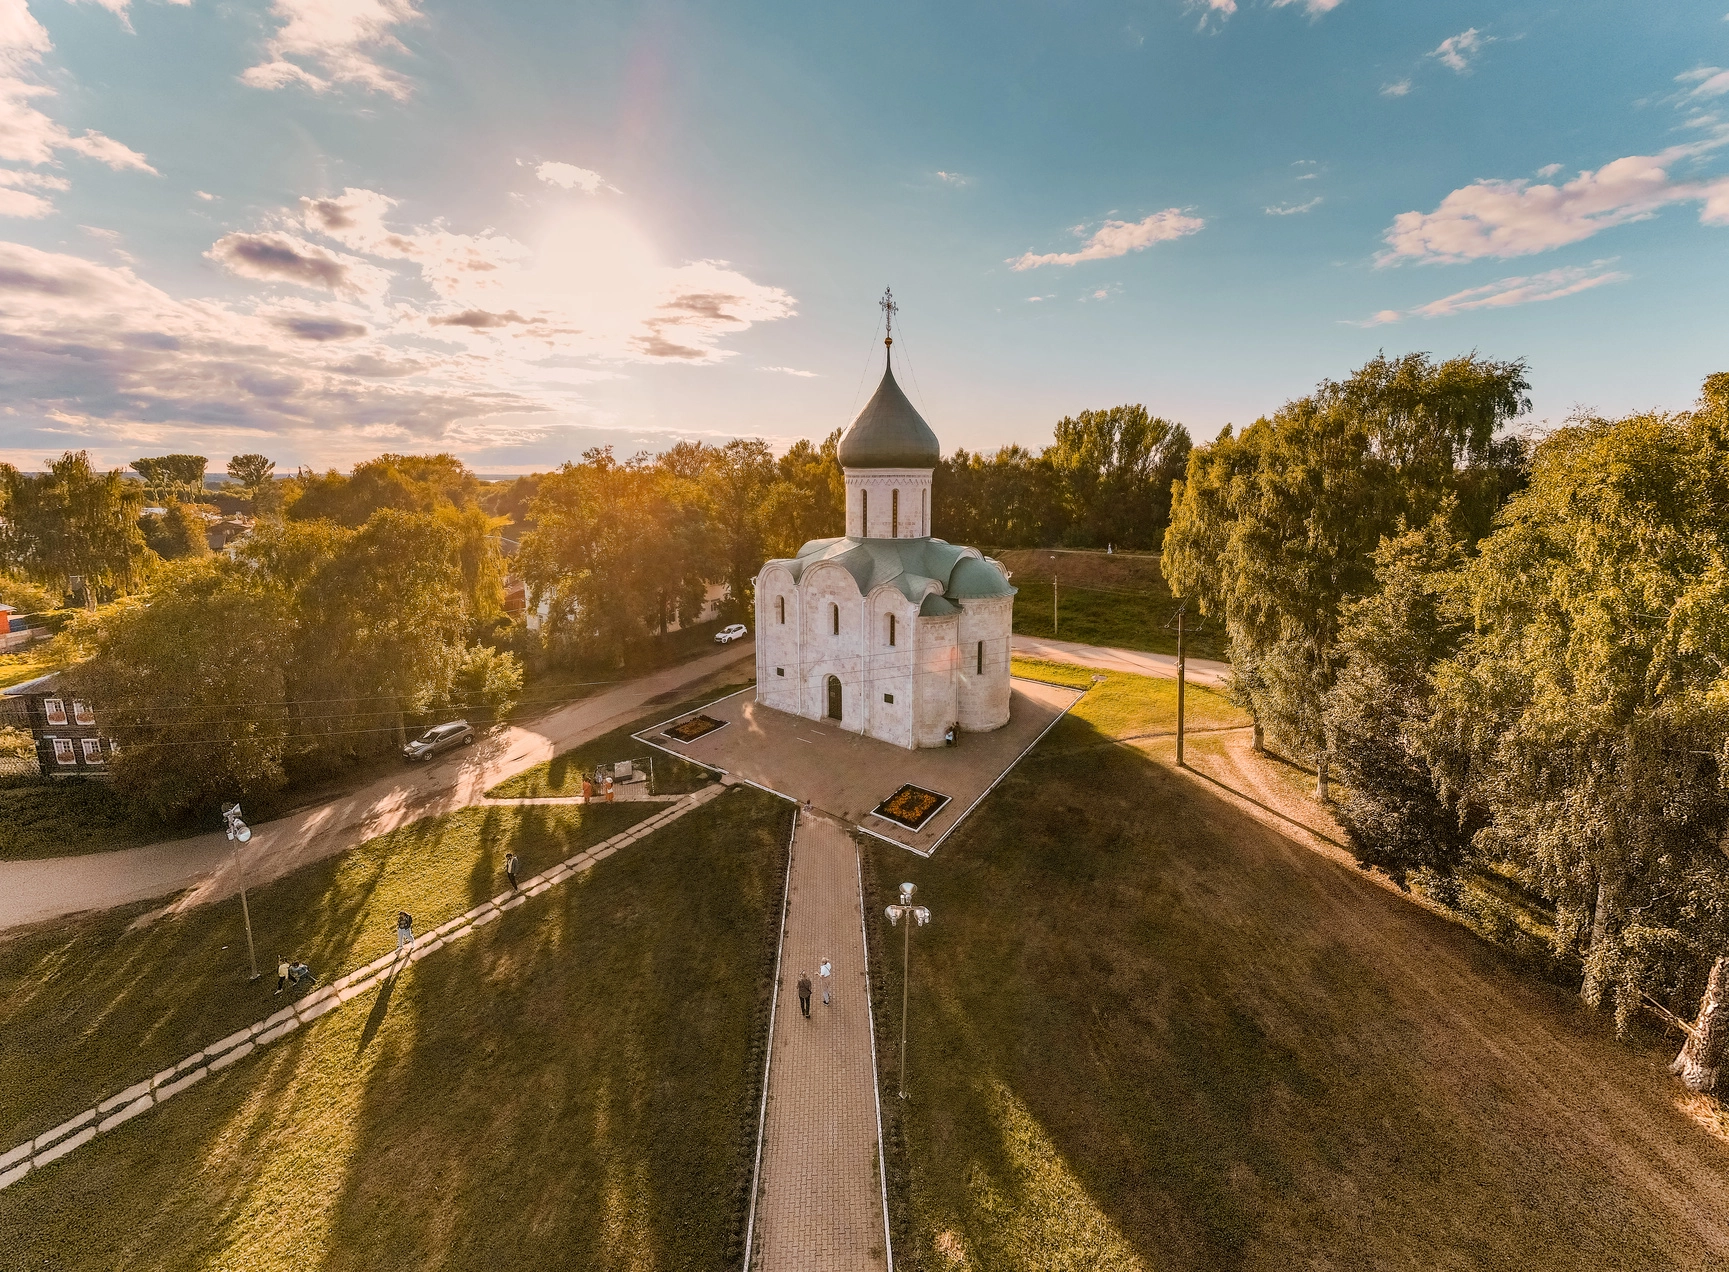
[891, 632]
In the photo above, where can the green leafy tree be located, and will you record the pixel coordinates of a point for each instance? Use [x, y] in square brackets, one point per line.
[406, 483]
[178, 531]
[1275, 529]
[172, 477]
[251, 472]
[71, 522]
[1116, 468]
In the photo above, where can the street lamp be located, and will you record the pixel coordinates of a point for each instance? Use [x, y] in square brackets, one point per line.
[240, 832]
[921, 916]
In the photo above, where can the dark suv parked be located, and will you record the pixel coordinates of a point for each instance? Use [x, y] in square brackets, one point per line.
[441, 737]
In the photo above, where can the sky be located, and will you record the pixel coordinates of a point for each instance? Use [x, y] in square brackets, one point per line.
[323, 229]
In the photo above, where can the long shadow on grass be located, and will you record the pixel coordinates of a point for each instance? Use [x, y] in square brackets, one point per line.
[1150, 1031]
[572, 1085]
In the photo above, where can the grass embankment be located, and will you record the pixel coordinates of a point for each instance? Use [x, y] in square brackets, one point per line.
[27, 664]
[573, 1086]
[49, 817]
[1127, 707]
[1120, 601]
[1150, 1031]
[562, 774]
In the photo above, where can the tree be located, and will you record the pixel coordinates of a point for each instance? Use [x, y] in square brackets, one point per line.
[71, 522]
[1274, 530]
[178, 531]
[406, 483]
[251, 472]
[172, 477]
[1116, 467]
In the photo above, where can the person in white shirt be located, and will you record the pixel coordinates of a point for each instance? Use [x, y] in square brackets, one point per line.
[826, 971]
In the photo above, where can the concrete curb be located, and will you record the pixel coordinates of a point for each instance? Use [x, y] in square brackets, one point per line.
[140, 1097]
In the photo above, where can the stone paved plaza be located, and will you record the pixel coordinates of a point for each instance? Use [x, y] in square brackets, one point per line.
[847, 775]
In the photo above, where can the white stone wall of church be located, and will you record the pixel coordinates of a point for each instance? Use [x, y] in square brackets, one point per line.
[934, 705]
[914, 486]
[983, 700]
[828, 591]
[777, 642]
[888, 669]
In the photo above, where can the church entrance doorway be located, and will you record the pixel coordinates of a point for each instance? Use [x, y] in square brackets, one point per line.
[834, 697]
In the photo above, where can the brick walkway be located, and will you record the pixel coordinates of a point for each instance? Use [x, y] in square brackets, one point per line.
[821, 1207]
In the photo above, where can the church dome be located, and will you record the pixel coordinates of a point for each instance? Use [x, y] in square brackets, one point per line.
[889, 433]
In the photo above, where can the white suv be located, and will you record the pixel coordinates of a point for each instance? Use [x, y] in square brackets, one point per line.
[726, 635]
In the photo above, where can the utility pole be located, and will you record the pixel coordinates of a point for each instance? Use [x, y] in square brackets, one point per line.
[1182, 679]
[239, 831]
[912, 914]
[1054, 628]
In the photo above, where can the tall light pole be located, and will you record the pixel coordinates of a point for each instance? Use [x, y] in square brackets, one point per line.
[240, 832]
[921, 916]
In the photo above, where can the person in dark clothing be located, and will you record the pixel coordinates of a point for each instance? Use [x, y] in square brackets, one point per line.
[511, 861]
[804, 993]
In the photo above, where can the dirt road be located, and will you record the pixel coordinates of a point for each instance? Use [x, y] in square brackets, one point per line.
[31, 891]
[1200, 670]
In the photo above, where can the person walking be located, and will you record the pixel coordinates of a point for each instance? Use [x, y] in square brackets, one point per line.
[281, 974]
[404, 930]
[609, 788]
[804, 993]
[587, 790]
[511, 861]
[826, 971]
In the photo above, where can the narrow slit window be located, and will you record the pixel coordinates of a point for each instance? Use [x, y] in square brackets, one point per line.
[864, 514]
[834, 618]
[981, 670]
[780, 608]
[925, 507]
[891, 629]
[895, 514]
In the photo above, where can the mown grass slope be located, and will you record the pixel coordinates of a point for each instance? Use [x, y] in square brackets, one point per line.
[573, 1086]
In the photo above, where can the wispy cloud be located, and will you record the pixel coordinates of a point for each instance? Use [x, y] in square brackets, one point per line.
[1494, 218]
[1398, 88]
[1292, 209]
[323, 43]
[1456, 51]
[567, 176]
[1549, 170]
[1119, 238]
[1504, 293]
[952, 178]
[278, 257]
[1707, 82]
[1314, 8]
[805, 375]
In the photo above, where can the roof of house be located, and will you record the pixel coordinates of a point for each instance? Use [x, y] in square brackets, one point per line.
[889, 433]
[24, 688]
[925, 570]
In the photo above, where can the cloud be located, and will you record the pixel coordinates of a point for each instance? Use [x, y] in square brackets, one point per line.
[27, 134]
[208, 198]
[1707, 81]
[341, 39]
[568, 176]
[953, 178]
[1456, 51]
[278, 257]
[1314, 8]
[321, 330]
[1398, 88]
[1549, 170]
[1293, 209]
[1504, 293]
[1119, 238]
[805, 375]
[1515, 218]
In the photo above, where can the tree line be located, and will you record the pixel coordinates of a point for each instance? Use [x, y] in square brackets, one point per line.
[1512, 651]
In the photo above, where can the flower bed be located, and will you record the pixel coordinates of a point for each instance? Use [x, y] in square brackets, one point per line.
[695, 727]
[911, 806]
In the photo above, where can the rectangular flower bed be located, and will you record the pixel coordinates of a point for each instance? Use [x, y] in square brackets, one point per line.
[911, 806]
[693, 728]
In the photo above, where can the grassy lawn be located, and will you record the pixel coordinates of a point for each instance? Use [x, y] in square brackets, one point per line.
[1128, 706]
[562, 774]
[91, 1007]
[44, 817]
[1148, 1031]
[573, 1086]
[27, 664]
[1119, 601]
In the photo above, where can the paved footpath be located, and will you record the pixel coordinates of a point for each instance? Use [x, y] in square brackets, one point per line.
[821, 1205]
[1200, 670]
[31, 891]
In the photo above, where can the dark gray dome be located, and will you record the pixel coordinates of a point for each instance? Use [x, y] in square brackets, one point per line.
[889, 433]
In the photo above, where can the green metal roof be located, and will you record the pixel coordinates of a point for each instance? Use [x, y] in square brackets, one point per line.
[920, 568]
[889, 433]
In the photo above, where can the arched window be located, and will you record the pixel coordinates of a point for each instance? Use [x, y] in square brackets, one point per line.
[981, 658]
[780, 608]
[891, 629]
[834, 617]
[894, 514]
[925, 518]
[864, 514]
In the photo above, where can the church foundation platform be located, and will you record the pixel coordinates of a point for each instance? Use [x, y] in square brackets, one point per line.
[847, 775]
